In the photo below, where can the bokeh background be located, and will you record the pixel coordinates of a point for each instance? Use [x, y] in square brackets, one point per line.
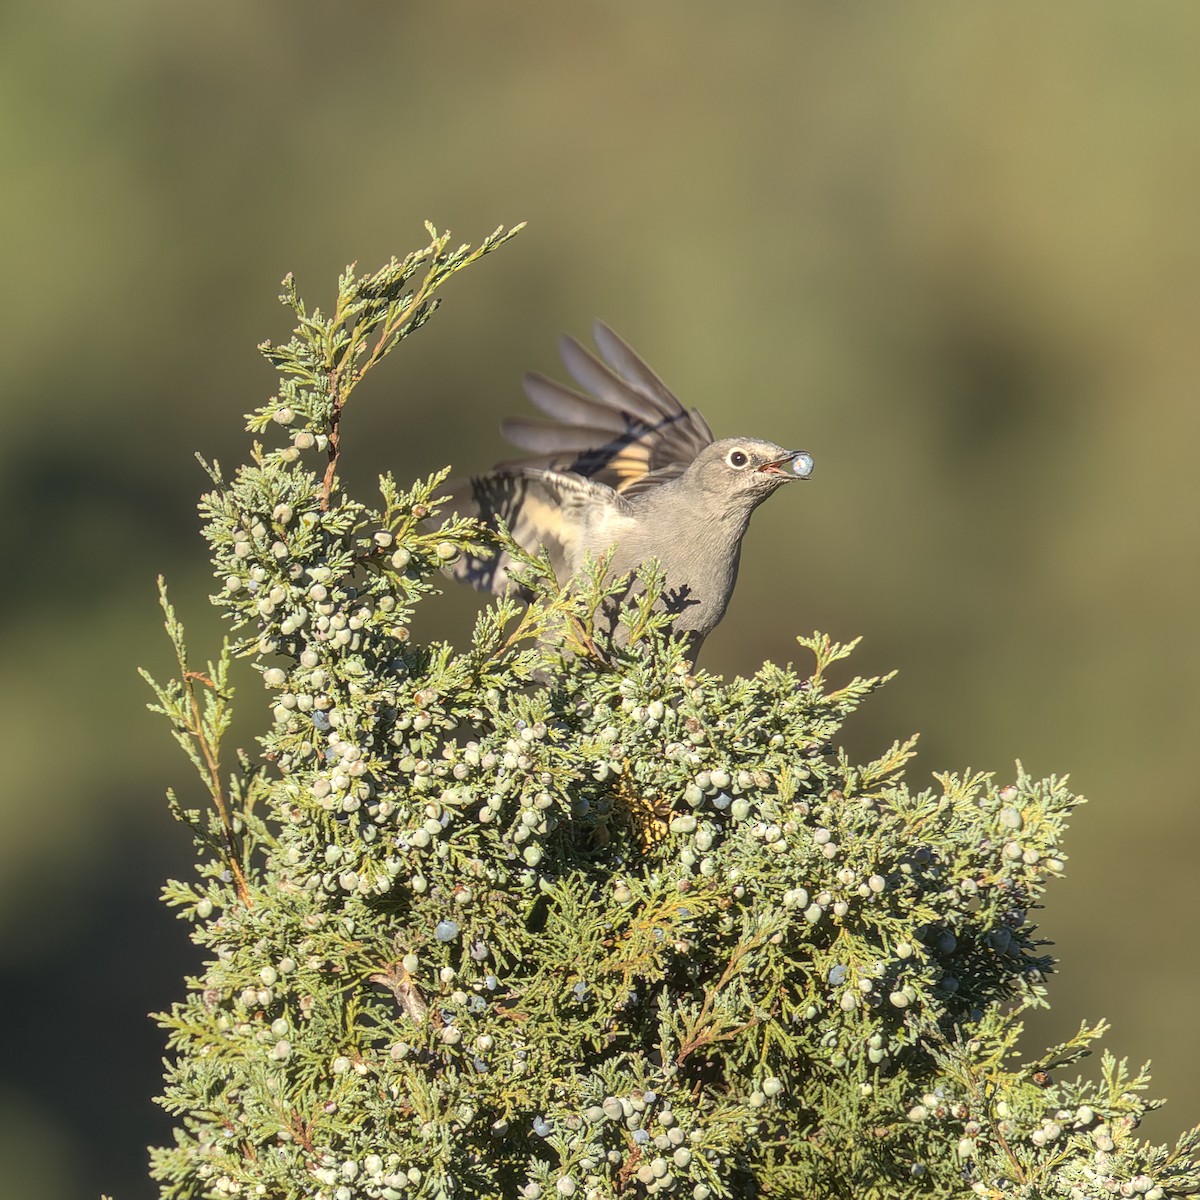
[952, 250]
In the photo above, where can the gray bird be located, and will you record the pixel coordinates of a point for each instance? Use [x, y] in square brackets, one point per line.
[626, 468]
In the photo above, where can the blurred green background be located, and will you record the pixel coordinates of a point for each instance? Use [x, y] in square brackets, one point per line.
[952, 250]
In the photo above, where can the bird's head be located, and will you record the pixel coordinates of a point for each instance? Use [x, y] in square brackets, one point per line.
[745, 471]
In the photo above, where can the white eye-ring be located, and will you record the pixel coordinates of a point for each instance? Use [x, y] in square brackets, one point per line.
[737, 459]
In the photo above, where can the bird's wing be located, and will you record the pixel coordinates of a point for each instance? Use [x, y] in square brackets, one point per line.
[627, 430]
[540, 508]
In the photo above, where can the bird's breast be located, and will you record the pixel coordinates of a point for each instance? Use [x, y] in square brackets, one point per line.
[698, 557]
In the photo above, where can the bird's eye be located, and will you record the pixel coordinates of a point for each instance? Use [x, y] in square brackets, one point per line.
[737, 458]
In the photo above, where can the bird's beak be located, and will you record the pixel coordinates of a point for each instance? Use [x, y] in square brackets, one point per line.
[796, 464]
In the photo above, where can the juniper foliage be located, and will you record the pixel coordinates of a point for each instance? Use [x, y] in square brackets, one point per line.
[551, 916]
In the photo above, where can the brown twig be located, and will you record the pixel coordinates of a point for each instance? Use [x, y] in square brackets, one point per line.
[339, 393]
[704, 1037]
[400, 983]
[213, 766]
[335, 445]
[299, 1130]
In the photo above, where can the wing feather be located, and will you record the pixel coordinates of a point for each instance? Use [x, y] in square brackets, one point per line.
[608, 387]
[626, 362]
[573, 408]
[540, 509]
[630, 432]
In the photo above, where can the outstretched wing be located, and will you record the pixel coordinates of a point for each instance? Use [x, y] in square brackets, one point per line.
[540, 508]
[630, 432]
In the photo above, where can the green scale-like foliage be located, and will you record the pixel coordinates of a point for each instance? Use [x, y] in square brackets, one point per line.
[552, 916]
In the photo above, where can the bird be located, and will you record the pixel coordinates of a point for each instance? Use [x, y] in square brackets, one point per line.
[622, 467]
